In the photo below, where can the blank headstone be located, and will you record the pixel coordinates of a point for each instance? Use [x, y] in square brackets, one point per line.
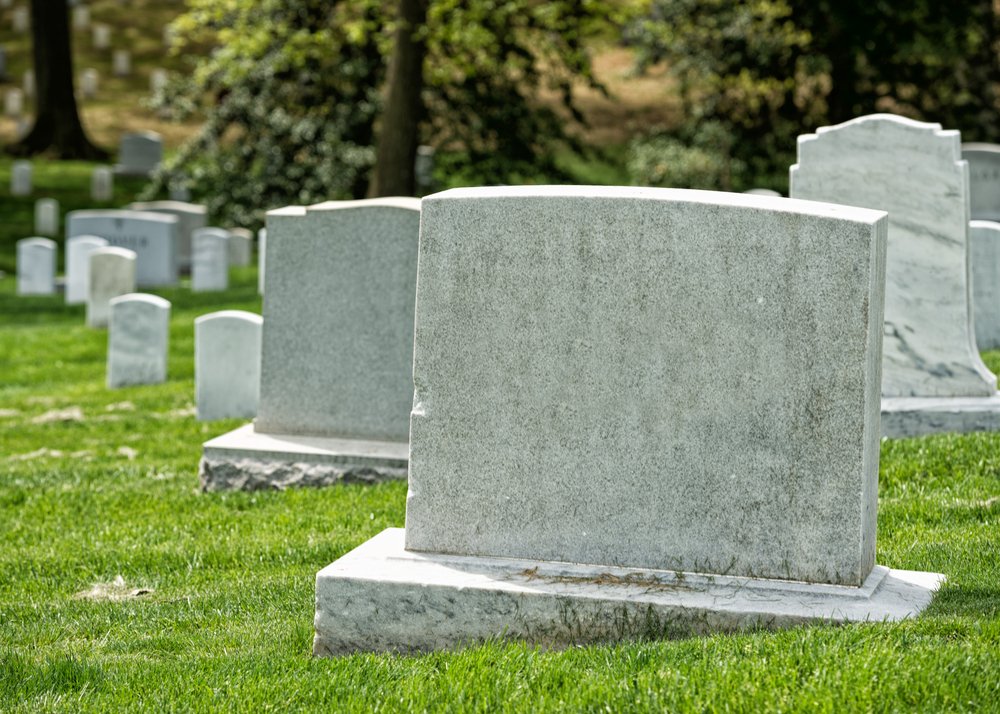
[81, 17]
[121, 63]
[423, 169]
[78, 250]
[261, 258]
[157, 80]
[984, 256]
[88, 83]
[20, 178]
[153, 237]
[102, 183]
[191, 217]
[240, 247]
[138, 333]
[984, 180]
[210, 261]
[36, 266]
[111, 273]
[13, 102]
[139, 153]
[180, 191]
[47, 217]
[28, 82]
[101, 35]
[227, 364]
[20, 19]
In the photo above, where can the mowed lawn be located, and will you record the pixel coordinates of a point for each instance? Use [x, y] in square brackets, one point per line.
[122, 587]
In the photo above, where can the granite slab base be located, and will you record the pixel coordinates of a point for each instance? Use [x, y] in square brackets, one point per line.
[382, 598]
[251, 461]
[918, 416]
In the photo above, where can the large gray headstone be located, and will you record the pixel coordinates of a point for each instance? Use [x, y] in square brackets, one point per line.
[78, 249]
[100, 36]
[984, 180]
[337, 352]
[227, 364]
[36, 266]
[984, 247]
[112, 273]
[153, 237]
[191, 216]
[138, 334]
[140, 153]
[121, 63]
[914, 171]
[210, 266]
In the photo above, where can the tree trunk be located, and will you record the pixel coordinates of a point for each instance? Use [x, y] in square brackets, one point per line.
[398, 135]
[57, 122]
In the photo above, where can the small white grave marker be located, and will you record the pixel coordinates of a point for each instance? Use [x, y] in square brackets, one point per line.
[102, 183]
[157, 80]
[47, 217]
[227, 364]
[122, 63]
[101, 35]
[138, 334]
[240, 247]
[36, 266]
[78, 250]
[89, 80]
[210, 266]
[20, 178]
[112, 273]
[20, 19]
[13, 102]
[81, 17]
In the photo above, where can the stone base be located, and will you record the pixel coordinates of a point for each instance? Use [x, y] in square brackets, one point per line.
[250, 461]
[917, 416]
[382, 598]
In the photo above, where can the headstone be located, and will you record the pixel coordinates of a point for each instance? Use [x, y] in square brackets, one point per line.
[984, 180]
[13, 102]
[101, 35]
[191, 216]
[78, 250]
[261, 258]
[140, 153]
[180, 190]
[423, 169]
[240, 247]
[138, 332]
[20, 19]
[210, 266]
[227, 364]
[121, 63]
[28, 82]
[47, 217]
[20, 178]
[81, 17]
[157, 80]
[931, 367]
[112, 273]
[22, 129]
[153, 237]
[984, 255]
[336, 385]
[580, 468]
[102, 183]
[36, 266]
[88, 83]
[762, 192]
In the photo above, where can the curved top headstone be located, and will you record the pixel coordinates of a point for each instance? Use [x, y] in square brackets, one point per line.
[914, 171]
[984, 180]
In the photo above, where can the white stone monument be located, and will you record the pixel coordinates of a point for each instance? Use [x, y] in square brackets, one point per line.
[210, 265]
[589, 463]
[78, 250]
[261, 258]
[89, 80]
[112, 273]
[153, 237]
[984, 254]
[13, 102]
[121, 63]
[240, 247]
[157, 80]
[20, 19]
[102, 183]
[36, 266]
[47, 217]
[336, 373]
[20, 178]
[984, 180]
[81, 17]
[101, 36]
[138, 334]
[191, 217]
[227, 364]
[762, 192]
[932, 377]
[140, 153]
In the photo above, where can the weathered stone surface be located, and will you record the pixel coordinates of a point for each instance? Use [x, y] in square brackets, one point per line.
[984, 256]
[380, 597]
[138, 334]
[918, 416]
[152, 236]
[190, 217]
[984, 180]
[112, 273]
[210, 263]
[338, 346]
[914, 171]
[78, 250]
[227, 364]
[36, 266]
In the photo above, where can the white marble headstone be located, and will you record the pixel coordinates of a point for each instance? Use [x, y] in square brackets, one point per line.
[153, 236]
[915, 172]
[89, 79]
[102, 183]
[157, 80]
[101, 35]
[138, 334]
[140, 153]
[47, 217]
[210, 262]
[78, 250]
[984, 180]
[261, 258]
[13, 102]
[20, 178]
[121, 63]
[984, 247]
[112, 273]
[36, 266]
[240, 247]
[227, 364]
[20, 19]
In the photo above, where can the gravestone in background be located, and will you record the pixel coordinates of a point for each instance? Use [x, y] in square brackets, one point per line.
[138, 334]
[240, 247]
[227, 364]
[984, 180]
[153, 237]
[112, 273]
[89, 79]
[121, 63]
[36, 266]
[261, 258]
[78, 249]
[102, 183]
[590, 462]
[47, 217]
[336, 386]
[20, 178]
[20, 19]
[984, 253]
[932, 376]
[101, 36]
[210, 266]
[191, 217]
[13, 103]
[139, 153]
